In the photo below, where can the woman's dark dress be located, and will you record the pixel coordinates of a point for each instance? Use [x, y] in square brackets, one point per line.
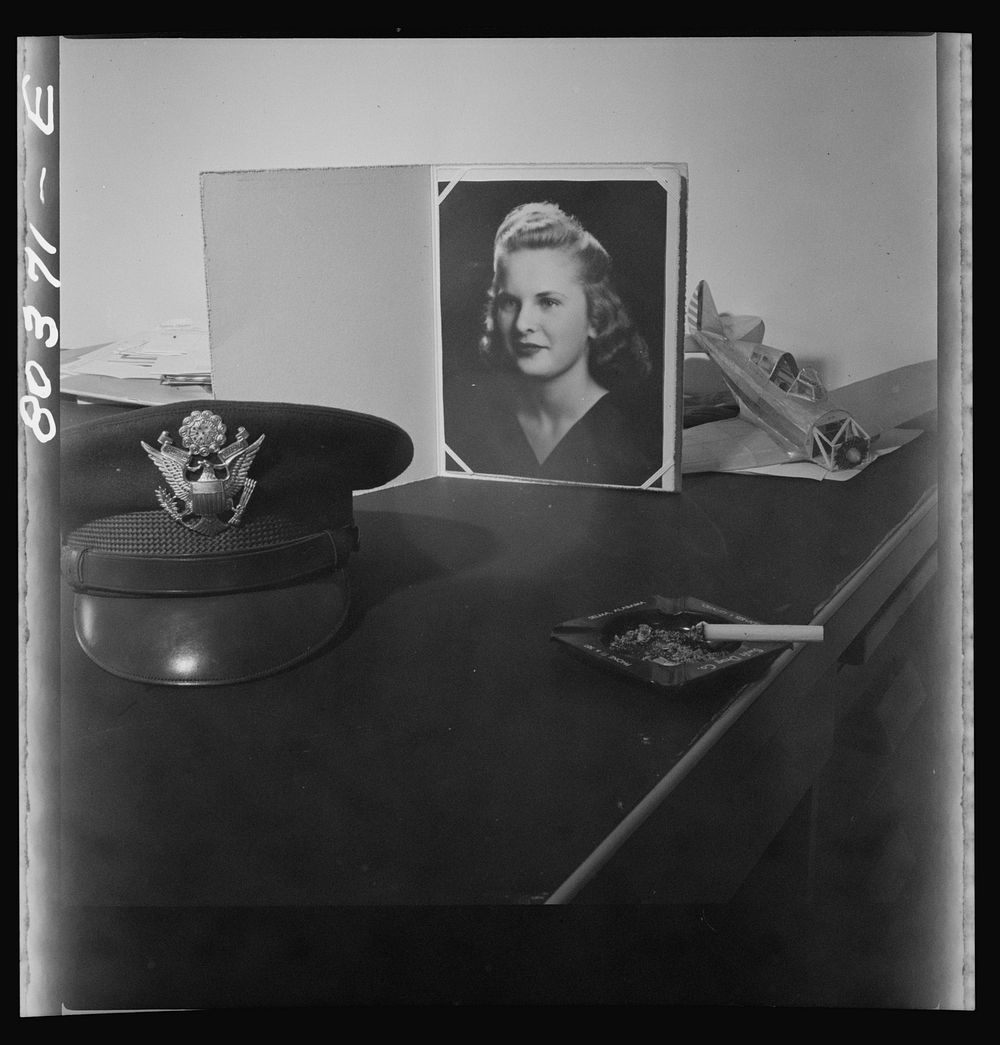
[603, 447]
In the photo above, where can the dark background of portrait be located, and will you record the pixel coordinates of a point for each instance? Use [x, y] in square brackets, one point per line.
[627, 217]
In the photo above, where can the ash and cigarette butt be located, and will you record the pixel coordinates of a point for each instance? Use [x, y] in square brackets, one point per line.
[669, 644]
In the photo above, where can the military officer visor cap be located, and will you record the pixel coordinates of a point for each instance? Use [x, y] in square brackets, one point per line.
[207, 541]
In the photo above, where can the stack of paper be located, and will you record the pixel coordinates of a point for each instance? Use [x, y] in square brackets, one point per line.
[170, 349]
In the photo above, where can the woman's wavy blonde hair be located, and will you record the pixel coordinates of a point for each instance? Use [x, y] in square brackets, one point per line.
[617, 350]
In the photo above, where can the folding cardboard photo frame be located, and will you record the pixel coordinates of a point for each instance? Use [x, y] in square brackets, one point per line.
[373, 289]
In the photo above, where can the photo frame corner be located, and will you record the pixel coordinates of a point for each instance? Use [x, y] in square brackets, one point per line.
[476, 194]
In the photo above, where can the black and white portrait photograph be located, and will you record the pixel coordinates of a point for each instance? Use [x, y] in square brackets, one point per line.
[494, 523]
[558, 324]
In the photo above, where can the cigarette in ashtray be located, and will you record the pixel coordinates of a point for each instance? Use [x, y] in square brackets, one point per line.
[704, 641]
[758, 632]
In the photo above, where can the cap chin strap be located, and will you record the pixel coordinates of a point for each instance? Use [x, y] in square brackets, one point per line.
[110, 573]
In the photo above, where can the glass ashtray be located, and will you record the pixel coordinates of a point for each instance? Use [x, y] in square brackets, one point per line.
[653, 641]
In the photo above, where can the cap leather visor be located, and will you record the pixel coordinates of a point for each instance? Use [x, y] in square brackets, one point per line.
[210, 640]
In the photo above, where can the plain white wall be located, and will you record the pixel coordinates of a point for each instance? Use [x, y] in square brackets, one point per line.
[812, 161]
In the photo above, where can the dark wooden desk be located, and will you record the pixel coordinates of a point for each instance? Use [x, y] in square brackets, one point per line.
[443, 751]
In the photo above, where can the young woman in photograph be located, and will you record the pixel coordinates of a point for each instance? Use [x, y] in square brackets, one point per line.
[557, 341]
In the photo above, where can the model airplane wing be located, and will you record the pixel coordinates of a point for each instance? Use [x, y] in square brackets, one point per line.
[890, 399]
[732, 445]
[739, 446]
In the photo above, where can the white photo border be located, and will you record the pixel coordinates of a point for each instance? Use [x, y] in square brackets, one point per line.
[673, 177]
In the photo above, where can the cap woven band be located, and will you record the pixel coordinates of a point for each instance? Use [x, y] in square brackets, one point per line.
[91, 570]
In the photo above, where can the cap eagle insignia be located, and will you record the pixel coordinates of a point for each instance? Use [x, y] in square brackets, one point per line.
[207, 478]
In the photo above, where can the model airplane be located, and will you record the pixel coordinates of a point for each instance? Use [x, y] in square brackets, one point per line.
[786, 401]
